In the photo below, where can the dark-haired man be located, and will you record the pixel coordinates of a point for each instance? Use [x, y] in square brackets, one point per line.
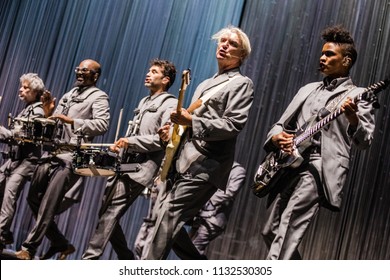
[85, 111]
[143, 146]
[318, 181]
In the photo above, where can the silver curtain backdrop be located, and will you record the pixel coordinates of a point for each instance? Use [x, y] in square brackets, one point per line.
[50, 37]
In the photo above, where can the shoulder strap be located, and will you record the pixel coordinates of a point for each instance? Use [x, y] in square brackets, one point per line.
[217, 88]
[138, 115]
[193, 106]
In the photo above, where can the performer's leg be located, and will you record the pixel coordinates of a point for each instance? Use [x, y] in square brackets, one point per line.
[14, 185]
[178, 207]
[60, 182]
[120, 194]
[290, 215]
[204, 233]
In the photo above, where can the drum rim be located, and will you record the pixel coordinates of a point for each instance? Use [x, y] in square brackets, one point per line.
[45, 120]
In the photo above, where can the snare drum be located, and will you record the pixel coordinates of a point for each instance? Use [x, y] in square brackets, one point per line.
[22, 129]
[44, 130]
[95, 162]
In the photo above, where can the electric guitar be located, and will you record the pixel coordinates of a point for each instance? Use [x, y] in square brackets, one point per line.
[276, 162]
[178, 130]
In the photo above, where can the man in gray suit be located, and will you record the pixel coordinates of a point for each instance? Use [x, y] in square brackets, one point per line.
[206, 157]
[84, 111]
[18, 169]
[208, 224]
[318, 181]
[143, 149]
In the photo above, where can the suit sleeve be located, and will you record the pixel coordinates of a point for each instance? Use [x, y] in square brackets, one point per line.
[362, 135]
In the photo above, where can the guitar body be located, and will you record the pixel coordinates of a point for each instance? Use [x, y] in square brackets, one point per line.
[178, 131]
[171, 149]
[272, 169]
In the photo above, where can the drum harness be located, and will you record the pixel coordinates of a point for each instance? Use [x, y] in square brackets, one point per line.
[132, 130]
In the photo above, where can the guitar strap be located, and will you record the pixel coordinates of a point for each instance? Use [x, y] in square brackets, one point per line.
[332, 105]
[208, 95]
[192, 154]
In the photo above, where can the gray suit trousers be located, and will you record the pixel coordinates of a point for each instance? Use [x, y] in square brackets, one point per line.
[292, 210]
[119, 195]
[47, 191]
[176, 207]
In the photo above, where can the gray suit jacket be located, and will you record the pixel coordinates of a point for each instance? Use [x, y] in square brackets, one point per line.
[26, 153]
[90, 111]
[153, 114]
[91, 114]
[336, 139]
[215, 126]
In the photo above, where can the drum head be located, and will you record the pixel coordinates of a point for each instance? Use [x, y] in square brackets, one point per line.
[21, 120]
[45, 121]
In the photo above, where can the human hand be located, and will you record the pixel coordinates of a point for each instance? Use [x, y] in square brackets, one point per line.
[121, 143]
[182, 118]
[48, 103]
[349, 108]
[284, 141]
[62, 118]
[165, 132]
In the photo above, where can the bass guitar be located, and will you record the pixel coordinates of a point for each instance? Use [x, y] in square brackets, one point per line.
[178, 130]
[275, 163]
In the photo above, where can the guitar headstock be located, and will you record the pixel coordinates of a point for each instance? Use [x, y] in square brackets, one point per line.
[372, 90]
[186, 77]
[185, 81]
[377, 87]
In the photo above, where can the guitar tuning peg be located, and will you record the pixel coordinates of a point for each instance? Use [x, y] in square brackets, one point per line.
[374, 100]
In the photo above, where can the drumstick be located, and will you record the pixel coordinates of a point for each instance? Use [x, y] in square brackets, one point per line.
[119, 125]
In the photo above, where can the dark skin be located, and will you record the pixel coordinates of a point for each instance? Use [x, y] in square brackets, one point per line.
[334, 65]
[86, 75]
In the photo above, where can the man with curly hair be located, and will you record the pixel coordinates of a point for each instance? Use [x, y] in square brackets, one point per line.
[318, 182]
[20, 165]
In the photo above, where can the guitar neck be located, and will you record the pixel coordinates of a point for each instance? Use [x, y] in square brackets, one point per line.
[184, 83]
[368, 94]
[310, 132]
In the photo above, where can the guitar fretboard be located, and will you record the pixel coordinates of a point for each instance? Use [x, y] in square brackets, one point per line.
[367, 94]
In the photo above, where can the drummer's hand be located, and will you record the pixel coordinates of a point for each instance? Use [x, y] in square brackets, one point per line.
[48, 103]
[62, 118]
[165, 132]
[121, 143]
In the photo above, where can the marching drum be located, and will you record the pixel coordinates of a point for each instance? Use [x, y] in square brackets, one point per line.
[22, 129]
[36, 130]
[95, 162]
[44, 130]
